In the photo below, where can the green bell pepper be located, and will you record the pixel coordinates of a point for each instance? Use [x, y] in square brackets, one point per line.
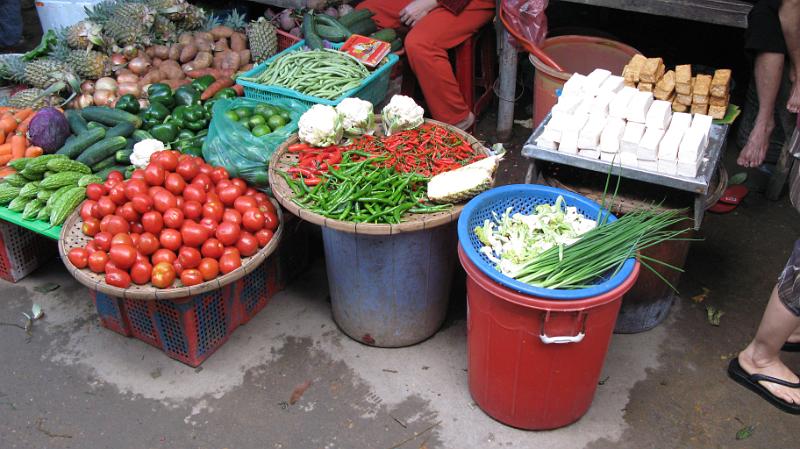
[202, 83]
[209, 105]
[165, 132]
[128, 103]
[226, 93]
[196, 118]
[154, 115]
[161, 93]
[185, 134]
[187, 95]
[178, 116]
[193, 150]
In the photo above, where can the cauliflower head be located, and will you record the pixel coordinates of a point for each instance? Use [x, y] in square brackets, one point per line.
[320, 126]
[400, 114]
[143, 150]
[358, 117]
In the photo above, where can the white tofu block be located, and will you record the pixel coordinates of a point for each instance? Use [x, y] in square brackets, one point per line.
[609, 157]
[628, 159]
[619, 105]
[613, 83]
[638, 107]
[574, 85]
[557, 120]
[551, 134]
[651, 166]
[668, 167]
[601, 102]
[575, 123]
[569, 142]
[703, 123]
[568, 104]
[594, 80]
[589, 137]
[659, 114]
[591, 154]
[631, 137]
[585, 108]
[668, 147]
[612, 135]
[680, 121]
[543, 142]
[648, 146]
[691, 147]
[689, 169]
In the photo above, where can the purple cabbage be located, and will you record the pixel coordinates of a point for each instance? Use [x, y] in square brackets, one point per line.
[48, 129]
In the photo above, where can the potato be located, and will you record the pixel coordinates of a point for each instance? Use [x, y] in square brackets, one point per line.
[161, 51]
[171, 71]
[185, 38]
[244, 57]
[154, 76]
[238, 42]
[204, 45]
[221, 45]
[175, 51]
[203, 35]
[150, 52]
[230, 60]
[188, 67]
[156, 62]
[221, 31]
[203, 60]
[217, 61]
[188, 52]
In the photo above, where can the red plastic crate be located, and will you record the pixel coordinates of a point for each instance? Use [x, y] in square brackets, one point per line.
[22, 251]
[286, 40]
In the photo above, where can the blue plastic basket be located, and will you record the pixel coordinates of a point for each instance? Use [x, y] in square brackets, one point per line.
[524, 198]
[373, 88]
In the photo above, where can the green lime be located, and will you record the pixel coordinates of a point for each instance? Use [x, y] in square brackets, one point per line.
[246, 124]
[265, 109]
[244, 112]
[255, 120]
[275, 121]
[232, 115]
[285, 115]
[260, 130]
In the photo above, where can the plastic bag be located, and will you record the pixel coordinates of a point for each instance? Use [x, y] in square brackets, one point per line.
[229, 144]
[527, 17]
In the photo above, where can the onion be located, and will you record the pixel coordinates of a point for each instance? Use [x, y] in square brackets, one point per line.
[143, 104]
[269, 14]
[123, 71]
[333, 12]
[139, 65]
[106, 83]
[103, 97]
[129, 88]
[296, 32]
[130, 51]
[118, 60]
[87, 87]
[83, 101]
[344, 8]
[127, 78]
[286, 21]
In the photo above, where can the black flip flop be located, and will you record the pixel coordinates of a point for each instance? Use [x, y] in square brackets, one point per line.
[751, 382]
[791, 347]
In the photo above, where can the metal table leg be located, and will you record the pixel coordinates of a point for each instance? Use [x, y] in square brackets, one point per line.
[532, 175]
[699, 210]
[506, 91]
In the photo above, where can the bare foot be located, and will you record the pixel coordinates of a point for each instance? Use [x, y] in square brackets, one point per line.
[754, 152]
[793, 103]
[773, 368]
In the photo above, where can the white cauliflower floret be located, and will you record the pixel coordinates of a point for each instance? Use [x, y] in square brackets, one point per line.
[400, 114]
[320, 126]
[143, 150]
[358, 117]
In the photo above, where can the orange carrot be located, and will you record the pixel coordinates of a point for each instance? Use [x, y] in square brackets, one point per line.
[5, 171]
[5, 149]
[33, 151]
[5, 159]
[22, 114]
[216, 86]
[2, 137]
[239, 89]
[7, 123]
[22, 128]
[18, 145]
[4, 109]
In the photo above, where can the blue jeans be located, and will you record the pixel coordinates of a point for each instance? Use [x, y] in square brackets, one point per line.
[10, 22]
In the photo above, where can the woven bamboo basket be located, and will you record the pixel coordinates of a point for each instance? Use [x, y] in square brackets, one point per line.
[73, 237]
[282, 160]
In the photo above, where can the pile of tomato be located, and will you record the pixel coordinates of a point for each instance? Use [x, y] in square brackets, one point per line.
[178, 218]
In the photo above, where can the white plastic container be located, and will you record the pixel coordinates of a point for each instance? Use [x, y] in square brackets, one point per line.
[61, 13]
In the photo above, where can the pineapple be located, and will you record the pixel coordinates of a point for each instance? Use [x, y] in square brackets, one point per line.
[33, 98]
[84, 34]
[171, 9]
[235, 21]
[130, 23]
[194, 18]
[164, 30]
[263, 39]
[210, 23]
[464, 183]
[12, 68]
[44, 72]
[89, 64]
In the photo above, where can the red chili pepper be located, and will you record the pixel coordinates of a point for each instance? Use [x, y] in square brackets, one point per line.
[298, 147]
[312, 181]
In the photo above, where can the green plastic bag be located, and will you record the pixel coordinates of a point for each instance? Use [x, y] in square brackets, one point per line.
[229, 144]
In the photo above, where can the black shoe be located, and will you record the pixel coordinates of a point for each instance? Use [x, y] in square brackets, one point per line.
[751, 382]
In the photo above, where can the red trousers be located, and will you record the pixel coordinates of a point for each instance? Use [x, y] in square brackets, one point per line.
[426, 46]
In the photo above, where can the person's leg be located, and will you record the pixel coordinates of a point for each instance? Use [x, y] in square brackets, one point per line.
[768, 73]
[387, 12]
[789, 15]
[10, 23]
[426, 46]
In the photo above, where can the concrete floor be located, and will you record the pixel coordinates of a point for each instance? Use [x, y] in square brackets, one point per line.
[74, 384]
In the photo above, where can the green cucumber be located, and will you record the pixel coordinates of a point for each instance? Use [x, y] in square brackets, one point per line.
[313, 41]
[123, 156]
[355, 16]
[110, 117]
[76, 123]
[331, 34]
[364, 27]
[95, 125]
[82, 142]
[386, 35]
[397, 44]
[123, 129]
[101, 150]
[107, 162]
[140, 135]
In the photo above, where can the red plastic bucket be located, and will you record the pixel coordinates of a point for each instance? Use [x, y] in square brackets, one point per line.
[534, 363]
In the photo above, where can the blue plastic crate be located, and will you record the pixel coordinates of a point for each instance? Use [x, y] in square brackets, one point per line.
[373, 88]
[524, 198]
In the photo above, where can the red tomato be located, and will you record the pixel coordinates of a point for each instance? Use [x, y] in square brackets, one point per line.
[148, 243]
[122, 255]
[203, 181]
[205, 168]
[140, 272]
[247, 244]
[178, 266]
[163, 275]
[229, 262]
[152, 222]
[213, 210]
[268, 207]
[163, 255]
[228, 233]
[111, 267]
[152, 190]
[253, 220]
[218, 174]
[179, 202]
[154, 174]
[122, 238]
[209, 224]
[170, 239]
[261, 197]
[86, 209]
[192, 210]
[240, 184]
[175, 183]
[271, 221]
[264, 236]
[194, 234]
[188, 169]
[212, 197]
[164, 200]
[194, 192]
[114, 224]
[209, 268]
[228, 194]
[115, 176]
[103, 240]
[138, 174]
[135, 187]
[232, 215]
[189, 257]
[231, 250]
[212, 248]
[118, 278]
[173, 218]
[117, 194]
[191, 277]
[245, 202]
[91, 226]
[91, 247]
[97, 261]
[128, 212]
[105, 206]
[250, 191]
[95, 190]
[78, 257]
[134, 238]
[136, 227]
[142, 203]
[167, 160]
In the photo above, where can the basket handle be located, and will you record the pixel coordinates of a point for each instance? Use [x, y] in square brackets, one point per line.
[562, 339]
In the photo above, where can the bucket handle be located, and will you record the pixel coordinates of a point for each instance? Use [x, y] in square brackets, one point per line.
[561, 339]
